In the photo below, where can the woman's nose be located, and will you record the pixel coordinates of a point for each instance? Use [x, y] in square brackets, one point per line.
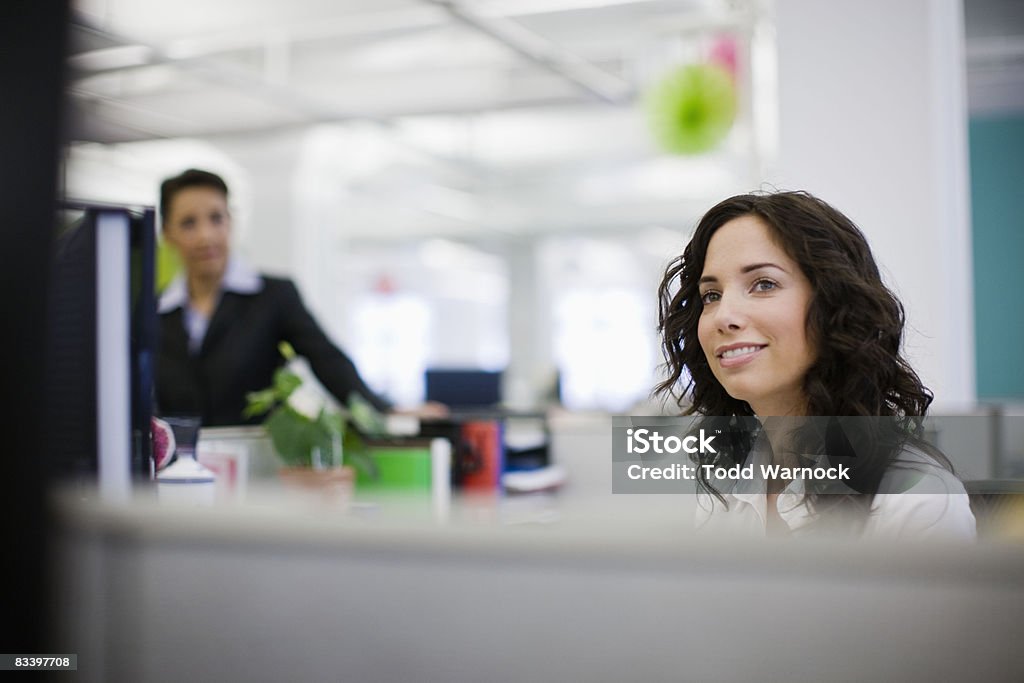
[730, 314]
[205, 231]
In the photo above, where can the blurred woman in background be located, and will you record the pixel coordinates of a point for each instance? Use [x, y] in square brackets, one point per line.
[221, 322]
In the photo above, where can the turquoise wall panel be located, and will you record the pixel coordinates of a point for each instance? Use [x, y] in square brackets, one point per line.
[997, 214]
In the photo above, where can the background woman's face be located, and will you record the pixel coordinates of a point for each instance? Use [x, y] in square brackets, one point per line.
[198, 226]
[753, 325]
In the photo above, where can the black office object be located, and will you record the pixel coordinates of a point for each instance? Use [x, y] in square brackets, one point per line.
[100, 344]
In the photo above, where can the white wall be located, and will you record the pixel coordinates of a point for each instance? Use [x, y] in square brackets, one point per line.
[873, 120]
[271, 160]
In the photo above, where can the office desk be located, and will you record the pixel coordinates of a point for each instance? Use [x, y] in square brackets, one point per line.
[275, 592]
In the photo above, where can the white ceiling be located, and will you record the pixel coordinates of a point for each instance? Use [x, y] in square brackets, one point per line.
[995, 56]
[147, 69]
[521, 115]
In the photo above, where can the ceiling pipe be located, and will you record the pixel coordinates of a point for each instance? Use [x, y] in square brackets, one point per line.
[593, 80]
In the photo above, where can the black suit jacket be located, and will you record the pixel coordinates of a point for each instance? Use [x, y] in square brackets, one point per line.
[239, 354]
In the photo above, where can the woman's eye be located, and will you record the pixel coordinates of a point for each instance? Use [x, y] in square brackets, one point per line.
[709, 297]
[764, 286]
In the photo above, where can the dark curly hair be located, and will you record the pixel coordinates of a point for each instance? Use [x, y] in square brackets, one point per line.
[854, 322]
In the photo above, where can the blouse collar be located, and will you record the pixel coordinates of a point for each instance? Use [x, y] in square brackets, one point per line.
[239, 278]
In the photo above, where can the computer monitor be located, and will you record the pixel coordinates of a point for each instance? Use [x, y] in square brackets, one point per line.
[464, 388]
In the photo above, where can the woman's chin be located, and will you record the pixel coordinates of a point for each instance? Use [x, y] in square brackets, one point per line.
[208, 269]
[742, 393]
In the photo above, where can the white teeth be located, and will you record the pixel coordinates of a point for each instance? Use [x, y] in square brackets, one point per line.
[742, 351]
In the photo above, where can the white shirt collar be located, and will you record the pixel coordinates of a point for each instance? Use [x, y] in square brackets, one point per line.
[752, 493]
[238, 278]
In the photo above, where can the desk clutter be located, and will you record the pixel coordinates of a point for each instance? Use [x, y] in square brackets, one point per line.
[480, 454]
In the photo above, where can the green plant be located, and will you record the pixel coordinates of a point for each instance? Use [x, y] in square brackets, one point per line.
[304, 429]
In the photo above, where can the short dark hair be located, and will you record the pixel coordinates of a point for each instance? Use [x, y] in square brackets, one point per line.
[193, 177]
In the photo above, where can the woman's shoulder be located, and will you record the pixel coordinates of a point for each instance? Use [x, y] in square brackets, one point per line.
[920, 498]
[276, 282]
[274, 287]
[916, 470]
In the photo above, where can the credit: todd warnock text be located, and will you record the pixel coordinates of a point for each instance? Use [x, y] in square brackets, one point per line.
[666, 455]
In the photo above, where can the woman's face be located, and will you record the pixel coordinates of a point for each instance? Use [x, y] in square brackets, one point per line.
[198, 226]
[753, 325]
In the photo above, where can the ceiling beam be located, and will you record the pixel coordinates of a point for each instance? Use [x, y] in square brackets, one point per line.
[593, 80]
[279, 94]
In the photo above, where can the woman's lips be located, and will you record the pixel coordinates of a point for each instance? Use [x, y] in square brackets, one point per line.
[734, 358]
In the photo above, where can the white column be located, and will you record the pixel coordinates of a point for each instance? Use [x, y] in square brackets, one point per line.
[873, 119]
[266, 233]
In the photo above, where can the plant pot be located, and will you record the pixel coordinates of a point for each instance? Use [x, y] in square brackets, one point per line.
[334, 485]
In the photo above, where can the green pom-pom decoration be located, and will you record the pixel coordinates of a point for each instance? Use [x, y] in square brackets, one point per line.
[692, 109]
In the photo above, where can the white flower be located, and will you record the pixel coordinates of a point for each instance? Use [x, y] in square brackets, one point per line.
[306, 401]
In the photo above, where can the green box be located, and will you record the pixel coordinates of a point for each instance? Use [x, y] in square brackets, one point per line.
[400, 469]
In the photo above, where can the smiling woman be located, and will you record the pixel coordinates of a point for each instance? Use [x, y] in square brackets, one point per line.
[776, 309]
[755, 300]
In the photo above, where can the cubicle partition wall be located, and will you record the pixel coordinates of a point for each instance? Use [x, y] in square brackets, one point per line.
[155, 595]
[101, 346]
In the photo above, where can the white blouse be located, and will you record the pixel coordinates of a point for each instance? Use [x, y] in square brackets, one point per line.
[932, 504]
